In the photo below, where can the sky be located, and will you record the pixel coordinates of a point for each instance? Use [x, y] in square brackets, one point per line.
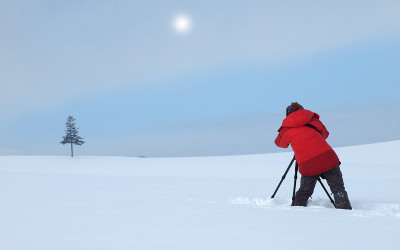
[193, 78]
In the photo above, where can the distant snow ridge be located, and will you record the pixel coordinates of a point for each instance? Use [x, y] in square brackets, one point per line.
[360, 208]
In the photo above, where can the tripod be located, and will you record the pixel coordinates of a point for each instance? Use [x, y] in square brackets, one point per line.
[295, 181]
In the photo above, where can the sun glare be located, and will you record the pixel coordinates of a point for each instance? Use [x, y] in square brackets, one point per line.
[182, 23]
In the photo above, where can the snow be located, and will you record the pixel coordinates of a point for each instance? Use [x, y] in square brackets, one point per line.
[194, 203]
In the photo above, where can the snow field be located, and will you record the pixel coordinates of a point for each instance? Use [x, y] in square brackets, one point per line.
[194, 203]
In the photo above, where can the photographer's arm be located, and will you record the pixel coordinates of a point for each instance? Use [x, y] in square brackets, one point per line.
[281, 140]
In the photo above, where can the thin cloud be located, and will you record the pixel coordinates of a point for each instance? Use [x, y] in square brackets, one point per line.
[53, 53]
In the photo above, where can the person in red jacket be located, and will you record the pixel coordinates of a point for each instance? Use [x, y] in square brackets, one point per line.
[307, 136]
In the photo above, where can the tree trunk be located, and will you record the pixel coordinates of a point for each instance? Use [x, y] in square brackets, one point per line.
[72, 150]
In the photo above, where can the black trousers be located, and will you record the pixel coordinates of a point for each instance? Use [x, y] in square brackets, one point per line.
[334, 178]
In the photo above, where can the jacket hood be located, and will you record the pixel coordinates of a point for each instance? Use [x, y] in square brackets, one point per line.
[299, 118]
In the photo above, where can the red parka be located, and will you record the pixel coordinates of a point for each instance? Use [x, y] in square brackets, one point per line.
[313, 154]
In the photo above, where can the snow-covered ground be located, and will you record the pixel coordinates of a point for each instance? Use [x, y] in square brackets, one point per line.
[194, 203]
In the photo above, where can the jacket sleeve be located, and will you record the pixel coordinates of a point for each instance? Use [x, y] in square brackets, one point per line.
[281, 140]
[324, 132]
[321, 128]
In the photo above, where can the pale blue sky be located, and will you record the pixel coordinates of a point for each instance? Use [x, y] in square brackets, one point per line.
[136, 87]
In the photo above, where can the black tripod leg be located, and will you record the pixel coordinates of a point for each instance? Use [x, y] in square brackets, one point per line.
[326, 191]
[283, 177]
[295, 181]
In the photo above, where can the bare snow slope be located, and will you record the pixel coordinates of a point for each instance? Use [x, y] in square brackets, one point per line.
[194, 203]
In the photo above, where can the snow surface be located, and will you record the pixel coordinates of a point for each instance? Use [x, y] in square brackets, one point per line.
[194, 203]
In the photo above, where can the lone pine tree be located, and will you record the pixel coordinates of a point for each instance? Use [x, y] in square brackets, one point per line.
[71, 135]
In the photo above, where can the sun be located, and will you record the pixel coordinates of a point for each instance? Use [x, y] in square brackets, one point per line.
[182, 23]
